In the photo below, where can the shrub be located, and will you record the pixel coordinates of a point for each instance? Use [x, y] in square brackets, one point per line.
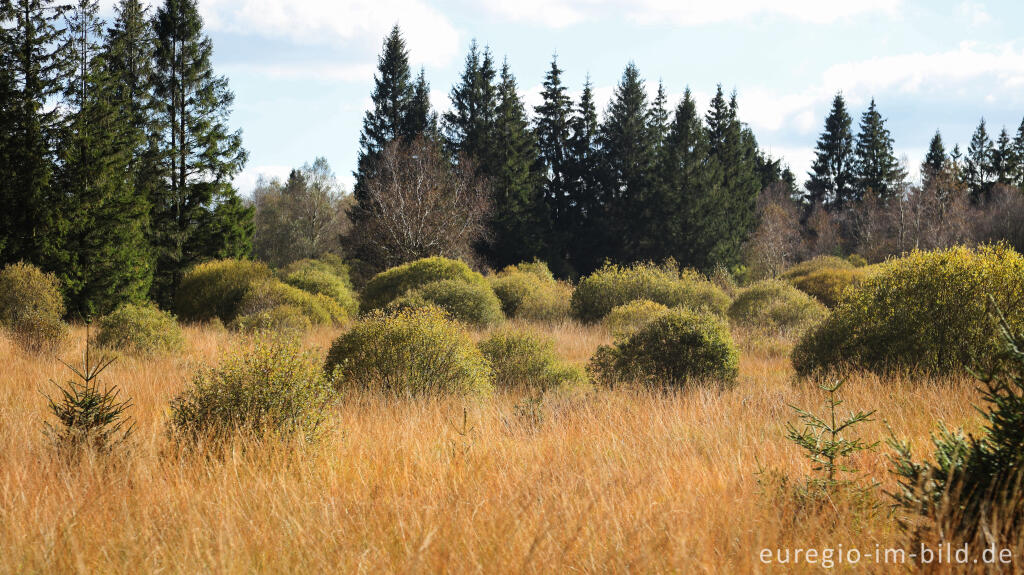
[327, 263]
[283, 319]
[526, 360]
[624, 320]
[318, 281]
[512, 287]
[613, 286]
[31, 306]
[410, 352]
[532, 294]
[272, 389]
[537, 269]
[395, 282]
[857, 260]
[550, 304]
[815, 264]
[215, 289]
[926, 310]
[827, 285]
[474, 304]
[679, 346]
[268, 294]
[140, 329]
[776, 305]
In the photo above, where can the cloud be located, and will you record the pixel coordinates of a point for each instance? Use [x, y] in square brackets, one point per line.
[974, 12]
[245, 181]
[431, 37]
[306, 71]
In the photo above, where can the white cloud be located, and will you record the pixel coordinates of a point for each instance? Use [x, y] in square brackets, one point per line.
[430, 36]
[974, 12]
[245, 181]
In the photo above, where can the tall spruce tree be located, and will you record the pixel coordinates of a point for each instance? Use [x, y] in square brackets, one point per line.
[196, 212]
[35, 65]
[7, 92]
[683, 183]
[1018, 153]
[469, 124]
[584, 247]
[1004, 160]
[104, 257]
[978, 169]
[876, 169]
[553, 130]
[831, 178]
[519, 215]
[420, 118]
[935, 160]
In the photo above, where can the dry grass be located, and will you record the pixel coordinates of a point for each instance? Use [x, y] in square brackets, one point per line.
[622, 481]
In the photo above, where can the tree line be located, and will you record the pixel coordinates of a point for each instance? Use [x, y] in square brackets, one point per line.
[116, 158]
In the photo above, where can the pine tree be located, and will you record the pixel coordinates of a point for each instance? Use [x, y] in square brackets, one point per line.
[935, 160]
[420, 117]
[468, 125]
[683, 182]
[831, 178]
[585, 199]
[519, 214]
[104, 257]
[552, 128]
[659, 118]
[1018, 153]
[1004, 162]
[35, 68]
[199, 153]
[875, 167]
[978, 164]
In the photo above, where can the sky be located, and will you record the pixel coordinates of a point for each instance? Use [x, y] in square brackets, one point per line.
[302, 70]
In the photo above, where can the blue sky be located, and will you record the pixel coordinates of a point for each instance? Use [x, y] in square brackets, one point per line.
[302, 70]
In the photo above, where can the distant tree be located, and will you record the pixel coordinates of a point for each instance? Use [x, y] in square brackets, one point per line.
[196, 212]
[468, 126]
[831, 178]
[1004, 160]
[1018, 152]
[684, 183]
[553, 131]
[776, 242]
[585, 190]
[420, 117]
[876, 169]
[935, 161]
[978, 170]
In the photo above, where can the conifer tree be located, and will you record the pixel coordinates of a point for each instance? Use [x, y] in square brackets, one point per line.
[978, 164]
[683, 182]
[830, 181]
[876, 169]
[552, 128]
[1004, 161]
[935, 160]
[659, 117]
[585, 199]
[420, 118]
[1018, 154]
[198, 151]
[468, 125]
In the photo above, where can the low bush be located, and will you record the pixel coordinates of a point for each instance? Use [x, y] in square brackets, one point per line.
[284, 319]
[775, 305]
[272, 389]
[678, 347]
[613, 286]
[927, 310]
[327, 263]
[216, 288]
[322, 282]
[624, 320]
[550, 304]
[857, 260]
[390, 284]
[409, 352]
[815, 264]
[526, 360]
[827, 285]
[266, 295]
[537, 269]
[474, 304]
[142, 329]
[31, 307]
[533, 294]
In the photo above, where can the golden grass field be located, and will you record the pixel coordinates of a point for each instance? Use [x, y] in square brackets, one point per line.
[608, 481]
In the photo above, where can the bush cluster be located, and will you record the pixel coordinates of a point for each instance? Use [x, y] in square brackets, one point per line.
[318, 277]
[676, 348]
[526, 360]
[530, 291]
[142, 329]
[817, 264]
[927, 310]
[613, 285]
[286, 320]
[775, 305]
[471, 303]
[624, 320]
[272, 389]
[216, 288]
[828, 285]
[409, 352]
[393, 283]
[263, 296]
[32, 307]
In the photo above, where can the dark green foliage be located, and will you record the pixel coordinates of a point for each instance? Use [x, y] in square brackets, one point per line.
[685, 185]
[140, 329]
[935, 160]
[1004, 159]
[216, 288]
[525, 360]
[583, 247]
[978, 170]
[876, 170]
[972, 488]
[553, 128]
[390, 284]
[832, 178]
[468, 125]
[472, 303]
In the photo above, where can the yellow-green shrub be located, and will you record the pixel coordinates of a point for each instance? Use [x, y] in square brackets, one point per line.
[327, 263]
[275, 389]
[529, 291]
[614, 285]
[828, 284]
[409, 352]
[390, 284]
[141, 329]
[550, 304]
[215, 289]
[625, 319]
[284, 319]
[320, 281]
[857, 260]
[815, 264]
[31, 306]
[674, 349]
[536, 268]
[928, 310]
[775, 305]
[527, 360]
[268, 294]
[471, 303]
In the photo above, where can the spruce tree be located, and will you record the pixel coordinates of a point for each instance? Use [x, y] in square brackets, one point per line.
[876, 169]
[198, 151]
[420, 117]
[1004, 161]
[585, 191]
[830, 181]
[468, 125]
[978, 164]
[552, 128]
[935, 160]
[1018, 153]
[104, 257]
[683, 183]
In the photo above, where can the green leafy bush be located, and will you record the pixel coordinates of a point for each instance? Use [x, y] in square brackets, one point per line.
[409, 352]
[857, 260]
[816, 264]
[272, 389]
[390, 284]
[526, 360]
[679, 346]
[529, 291]
[142, 329]
[284, 319]
[827, 285]
[215, 289]
[550, 304]
[266, 295]
[538, 269]
[327, 263]
[624, 320]
[474, 304]
[926, 311]
[613, 286]
[31, 307]
[321, 282]
[775, 305]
